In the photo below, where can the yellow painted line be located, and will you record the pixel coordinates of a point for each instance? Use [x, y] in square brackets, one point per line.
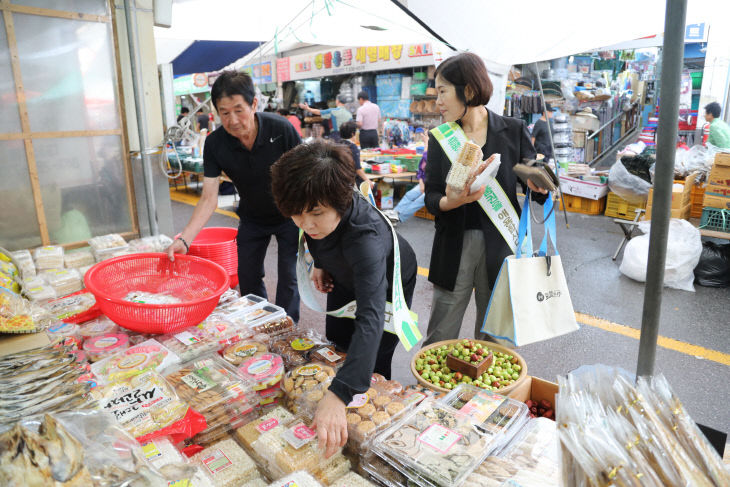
[664, 342]
[422, 271]
[192, 200]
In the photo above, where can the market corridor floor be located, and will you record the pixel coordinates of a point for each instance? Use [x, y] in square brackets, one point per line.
[599, 290]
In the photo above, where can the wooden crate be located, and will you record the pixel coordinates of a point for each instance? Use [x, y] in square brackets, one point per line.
[423, 213]
[696, 199]
[617, 207]
[576, 204]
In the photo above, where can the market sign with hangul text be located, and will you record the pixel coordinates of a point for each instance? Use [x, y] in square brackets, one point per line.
[345, 60]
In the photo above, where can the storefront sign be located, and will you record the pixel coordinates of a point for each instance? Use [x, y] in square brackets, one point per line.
[190, 83]
[344, 60]
[260, 72]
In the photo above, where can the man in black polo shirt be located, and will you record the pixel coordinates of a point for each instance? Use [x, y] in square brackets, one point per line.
[245, 147]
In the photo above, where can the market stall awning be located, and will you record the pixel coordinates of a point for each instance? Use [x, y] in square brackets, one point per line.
[204, 56]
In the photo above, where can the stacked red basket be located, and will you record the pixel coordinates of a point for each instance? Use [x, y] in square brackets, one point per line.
[219, 245]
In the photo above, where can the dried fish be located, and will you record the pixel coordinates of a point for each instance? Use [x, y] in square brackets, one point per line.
[63, 450]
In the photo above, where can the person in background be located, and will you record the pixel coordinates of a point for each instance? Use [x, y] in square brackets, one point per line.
[293, 119]
[184, 111]
[245, 147]
[339, 115]
[203, 120]
[413, 200]
[468, 249]
[348, 131]
[540, 134]
[368, 121]
[719, 130]
[352, 247]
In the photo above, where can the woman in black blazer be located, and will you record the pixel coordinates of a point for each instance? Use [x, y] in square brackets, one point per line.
[468, 250]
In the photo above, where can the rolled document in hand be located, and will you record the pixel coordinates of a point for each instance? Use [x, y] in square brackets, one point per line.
[489, 172]
[462, 167]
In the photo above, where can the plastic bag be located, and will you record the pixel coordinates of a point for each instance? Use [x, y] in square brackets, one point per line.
[684, 247]
[713, 269]
[699, 158]
[629, 187]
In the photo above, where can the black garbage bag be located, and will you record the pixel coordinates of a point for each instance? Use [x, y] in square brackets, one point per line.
[713, 269]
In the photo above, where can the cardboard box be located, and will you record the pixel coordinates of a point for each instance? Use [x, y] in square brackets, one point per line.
[585, 122]
[718, 190]
[680, 196]
[536, 389]
[583, 189]
[712, 201]
[722, 159]
[681, 213]
[10, 344]
[719, 175]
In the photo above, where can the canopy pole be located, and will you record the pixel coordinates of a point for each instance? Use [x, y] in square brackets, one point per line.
[130, 14]
[672, 54]
[552, 143]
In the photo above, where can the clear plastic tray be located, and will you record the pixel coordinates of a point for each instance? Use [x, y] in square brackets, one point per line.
[495, 414]
[370, 413]
[274, 327]
[190, 343]
[381, 470]
[78, 258]
[25, 261]
[48, 257]
[147, 355]
[242, 305]
[106, 242]
[63, 281]
[305, 387]
[103, 346]
[296, 346]
[70, 305]
[327, 355]
[36, 289]
[155, 243]
[297, 479]
[228, 297]
[221, 330]
[439, 443]
[241, 351]
[352, 479]
[98, 326]
[226, 464]
[259, 315]
[251, 431]
[265, 371]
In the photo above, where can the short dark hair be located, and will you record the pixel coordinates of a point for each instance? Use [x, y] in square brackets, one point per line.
[342, 99]
[467, 70]
[184, 110]
[548, 107]
[348, 129]
[363, 95]
[283, 112]
[318, 173]
[713, 109]
[231, 83]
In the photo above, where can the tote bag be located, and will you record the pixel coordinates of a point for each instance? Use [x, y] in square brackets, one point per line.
[530, 301]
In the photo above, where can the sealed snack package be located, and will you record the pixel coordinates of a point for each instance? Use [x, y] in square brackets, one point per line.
[223, 331]
[251, 431]
[461, 170]
[102, 346]
[305, 387]
[298, 479]
[48, 257]
[437, 442]
[241, 351]
[190, 343]
[153, 243]
[98, 326]
[414, 394]
[63, 281]
[226, 464]
[38, 290]
[274, 328]
[228, 297]
[20, 316]
[495, 414]
[265, 371]
[327, 355]
[105, 246]
[296, 346]
[65, 334]
[78, 258]
[351, 479]
[177, 470]
[259, 316]
[71, 306]
[144, 297]
[25, 261]
[211, 387]
[241, 305]
[148, 355]
[146, 406]
[370, 413]
[384, 472]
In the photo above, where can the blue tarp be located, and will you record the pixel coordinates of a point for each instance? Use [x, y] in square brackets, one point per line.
[205, 56]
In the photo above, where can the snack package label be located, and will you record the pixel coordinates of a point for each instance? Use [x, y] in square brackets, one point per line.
[199, 382]
[106, 342]
[245, 351]
[358, 400]
[150, 450]
[328, 354]
[298, 435]
[414, 398]
[439, 438]
[308, 370]
[217, 461]
[132, 406]
[254, 315]
[62, 327]
[259, 367]
[180, 483]
[301, 344]
[482, 405]
[267, 425]
[187, 338]
[132, 361]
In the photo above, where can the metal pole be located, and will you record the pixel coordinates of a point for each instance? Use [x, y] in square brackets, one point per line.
[130, 15]
[672, 53]
[552, 144]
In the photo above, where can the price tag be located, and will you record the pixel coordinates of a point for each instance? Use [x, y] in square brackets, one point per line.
[439, 438]
[298, 435]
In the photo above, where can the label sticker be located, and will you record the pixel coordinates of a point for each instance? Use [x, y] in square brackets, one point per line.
[301, 344]
[414, 398]
[216, 462]
[439, 438]
[328, 355]
[482, 405]
[259, 367]
[180, 483]
[106, 342]
[150, 450]
[187, 338]
[246, 351]
[298, 435]
[308, 370]
[358, 400]
[198, 382]
[267, 425]
[132, 361]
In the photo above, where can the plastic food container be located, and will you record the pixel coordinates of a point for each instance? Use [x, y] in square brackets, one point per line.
[274, 327]
[251, 432]
[264, 371]
[242, 305]
[241, 351]
[297, 479]
[296, 346]
[71, 306]
[25, 261]
[48, 257]
[305, 387]
[226, 464]
[67, 334]
[64, 281]
[36, 289]
[258, 316]
[218, 328]
[78, 258]
[102, 346]
[148, 355]
[107, 246]
[327, 355]
[437, 442]
[370, 413]
[190, 343]
[97, 327]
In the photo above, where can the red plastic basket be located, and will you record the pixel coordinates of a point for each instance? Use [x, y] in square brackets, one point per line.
[219, 245]
[198, 282]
